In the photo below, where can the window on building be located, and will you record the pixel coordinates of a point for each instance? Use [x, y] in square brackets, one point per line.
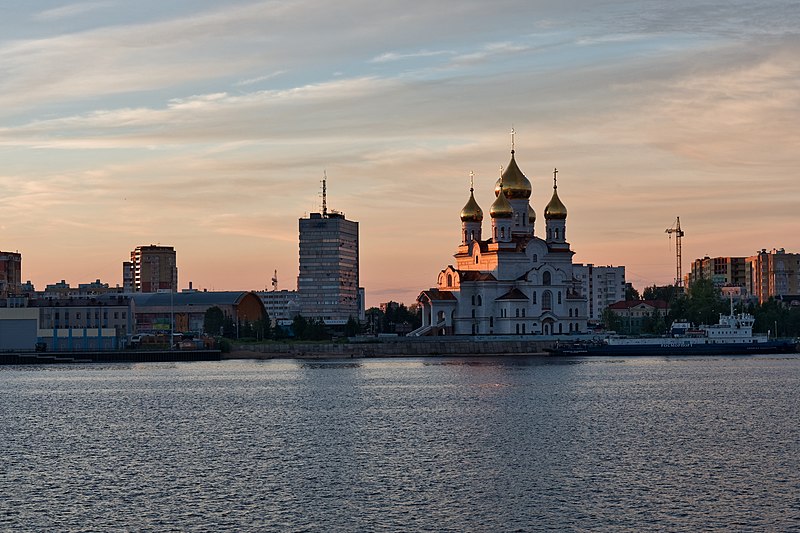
[547, 300]
[546, 278]
[559, 297]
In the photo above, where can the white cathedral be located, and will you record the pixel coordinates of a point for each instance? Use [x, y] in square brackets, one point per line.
[513, 282]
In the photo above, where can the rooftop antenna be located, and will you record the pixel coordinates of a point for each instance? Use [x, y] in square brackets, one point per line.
[324, 194]
[275, 281]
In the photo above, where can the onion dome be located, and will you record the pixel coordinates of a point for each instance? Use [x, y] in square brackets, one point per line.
[501, 207]
[555, 210]
[515, 184]
[471, 212]
[531, 215]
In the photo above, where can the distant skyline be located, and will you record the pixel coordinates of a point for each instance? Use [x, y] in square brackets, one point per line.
[207, 127]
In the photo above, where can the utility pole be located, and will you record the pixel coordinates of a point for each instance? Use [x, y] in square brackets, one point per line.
[678, 234]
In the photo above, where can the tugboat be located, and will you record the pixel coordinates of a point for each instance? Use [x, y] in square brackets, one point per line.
[733, 335]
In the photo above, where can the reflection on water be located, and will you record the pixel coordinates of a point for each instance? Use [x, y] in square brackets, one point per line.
[424, 444]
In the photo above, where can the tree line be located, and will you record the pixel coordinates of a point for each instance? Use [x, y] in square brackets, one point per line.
[397, 318]
[702, 303]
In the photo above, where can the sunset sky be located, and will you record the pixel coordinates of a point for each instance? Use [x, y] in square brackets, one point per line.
[207, 126]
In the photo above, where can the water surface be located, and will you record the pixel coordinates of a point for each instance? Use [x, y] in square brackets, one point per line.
[428, 444]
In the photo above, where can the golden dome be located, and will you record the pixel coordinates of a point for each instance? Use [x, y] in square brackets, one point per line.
[515, 184]
[501, 207]
[472, 212]
[531, 215]
[555, 210]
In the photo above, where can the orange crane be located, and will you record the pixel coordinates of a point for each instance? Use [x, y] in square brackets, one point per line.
[676, 229]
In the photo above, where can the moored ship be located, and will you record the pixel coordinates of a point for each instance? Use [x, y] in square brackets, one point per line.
[733, 335]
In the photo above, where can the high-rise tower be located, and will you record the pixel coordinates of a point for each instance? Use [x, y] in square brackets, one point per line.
[328, 280]
[151, 269]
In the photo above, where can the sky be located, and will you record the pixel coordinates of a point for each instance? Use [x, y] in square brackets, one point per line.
[208, 126]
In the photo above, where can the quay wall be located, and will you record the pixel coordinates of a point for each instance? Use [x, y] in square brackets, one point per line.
[400, 347]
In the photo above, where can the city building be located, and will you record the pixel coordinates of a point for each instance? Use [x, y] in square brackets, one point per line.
[19, 328]
[328, 278]
[634, 313]
[722, 271]
[601, 286]
[281, 306]
[184, 312]
[773, 274]
[151, 269]
[513, 281]
[10, 273]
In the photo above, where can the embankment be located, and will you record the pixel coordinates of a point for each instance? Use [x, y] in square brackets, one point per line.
[395, 347]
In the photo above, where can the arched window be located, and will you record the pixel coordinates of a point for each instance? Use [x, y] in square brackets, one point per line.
[523, 329]
[535, 258]
[533, 298]
[523, 313]
[546, 278]
[517, 329]
[555, 233]
[570, 313]
[517, 310]
[480, 301]
[561, 328]
[491, 321]
[473, 299]
[476, 259]
[559, 297]
[502, 233]
[449, 280]
[547, 300]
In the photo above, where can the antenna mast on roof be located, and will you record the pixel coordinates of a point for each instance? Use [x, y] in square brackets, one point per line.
[275, 281]
[324, 194]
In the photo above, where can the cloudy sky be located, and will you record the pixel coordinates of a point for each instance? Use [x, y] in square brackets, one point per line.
[207, 126]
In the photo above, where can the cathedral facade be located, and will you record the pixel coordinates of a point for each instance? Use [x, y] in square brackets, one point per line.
[511, 281]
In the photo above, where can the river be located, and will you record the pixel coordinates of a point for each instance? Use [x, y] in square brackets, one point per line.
[403, 444]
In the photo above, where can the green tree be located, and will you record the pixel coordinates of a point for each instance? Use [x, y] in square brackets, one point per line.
[352, 328]
[612, 321]
[213, 321]
[631, 293]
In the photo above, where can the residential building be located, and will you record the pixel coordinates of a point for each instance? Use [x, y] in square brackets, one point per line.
[773, 274]
[281, 306]
[722, 271]
[328, 277]
[151, 269]
[10, 273]
[601, 286]
[512, 282]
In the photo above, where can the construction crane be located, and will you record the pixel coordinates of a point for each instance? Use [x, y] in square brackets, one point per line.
[676, 229]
